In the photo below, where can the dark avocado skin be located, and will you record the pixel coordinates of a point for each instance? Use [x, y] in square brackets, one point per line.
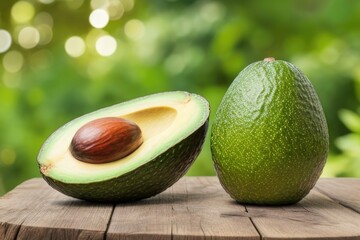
[269, 139]
[145, 181]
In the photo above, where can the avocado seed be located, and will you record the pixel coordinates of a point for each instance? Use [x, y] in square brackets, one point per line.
[105, 140]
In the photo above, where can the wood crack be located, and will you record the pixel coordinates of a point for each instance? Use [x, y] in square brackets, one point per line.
[9, 230]
[18, 230]
[337, 201]
[109, 222]
[252, 222]
[202, 229]
[172, 222]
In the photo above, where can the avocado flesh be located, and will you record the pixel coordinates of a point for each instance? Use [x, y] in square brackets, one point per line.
[269, 139]
[173, 126]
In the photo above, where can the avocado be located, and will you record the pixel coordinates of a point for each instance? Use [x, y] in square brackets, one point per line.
[269, 139]
[173, 127]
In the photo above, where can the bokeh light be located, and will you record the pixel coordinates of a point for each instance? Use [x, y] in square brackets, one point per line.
[5, 40]
[43, 18]
[13, 61]
[45, 32]
[134, 29]
[75, 46]
[28, 37]
[115, 9]
[99, 18]
[212, 11]
[128, 4]
[7, 156]
[44, 22]
[106, 45]
[46, 1]
[95, 4]
[22, 11]
[74, 4]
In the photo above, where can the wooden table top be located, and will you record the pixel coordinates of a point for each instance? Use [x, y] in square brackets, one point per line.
[194, 208]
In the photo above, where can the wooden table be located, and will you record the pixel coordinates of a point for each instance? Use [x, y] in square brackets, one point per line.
[194, 208]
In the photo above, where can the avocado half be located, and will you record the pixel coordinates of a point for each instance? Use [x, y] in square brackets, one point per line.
[173, 125]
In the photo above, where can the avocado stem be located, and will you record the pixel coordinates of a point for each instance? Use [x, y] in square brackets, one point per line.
[269, 59]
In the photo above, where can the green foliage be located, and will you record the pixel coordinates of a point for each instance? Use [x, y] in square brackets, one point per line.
[348, 162]
[198, 46]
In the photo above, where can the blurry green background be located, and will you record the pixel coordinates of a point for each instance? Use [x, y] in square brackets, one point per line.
[61, 59]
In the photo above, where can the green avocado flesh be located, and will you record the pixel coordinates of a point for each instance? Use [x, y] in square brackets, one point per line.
[269, 139]
[173, 126]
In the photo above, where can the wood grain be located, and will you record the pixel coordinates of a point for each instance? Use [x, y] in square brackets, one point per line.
[47, 214]
[345, 191]
[194, 208]
[16, 205]
[191, 209]
[315, 217]
[199, 212]
[147, 219]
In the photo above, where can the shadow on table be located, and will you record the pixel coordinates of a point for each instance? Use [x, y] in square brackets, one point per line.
[163, 198]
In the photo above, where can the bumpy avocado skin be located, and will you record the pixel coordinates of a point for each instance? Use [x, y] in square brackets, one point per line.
[269, 139]
[145, 181]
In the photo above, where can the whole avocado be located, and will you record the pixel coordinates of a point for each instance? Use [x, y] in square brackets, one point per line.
[269, 139]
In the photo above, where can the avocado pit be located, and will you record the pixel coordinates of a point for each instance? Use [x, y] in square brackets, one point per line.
[105, 140]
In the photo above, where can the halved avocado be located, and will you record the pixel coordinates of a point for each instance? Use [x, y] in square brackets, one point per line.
[173, 125]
